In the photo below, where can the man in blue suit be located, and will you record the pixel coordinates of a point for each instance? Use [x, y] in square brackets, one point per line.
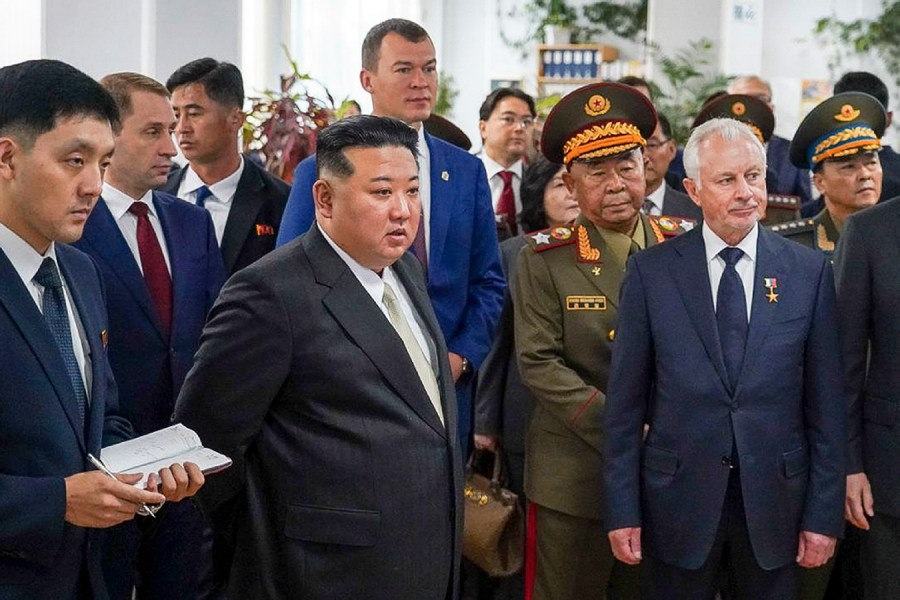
[156, 332]
[726, 411]
[457, 240]
[57, 393]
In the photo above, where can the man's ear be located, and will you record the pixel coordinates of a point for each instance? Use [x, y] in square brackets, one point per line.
[569, 181]
[236, 118]
[818, 180]
[323, 197]
[9, 152]
[365, 80]
[691, 190]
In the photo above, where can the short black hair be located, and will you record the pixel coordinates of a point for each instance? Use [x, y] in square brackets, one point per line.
[371, 46]
[222, 81]
[361, 131]
[494, 98]
[635, 81]
[535, 179]
[664, 125]
[863, 81]
[37, 94]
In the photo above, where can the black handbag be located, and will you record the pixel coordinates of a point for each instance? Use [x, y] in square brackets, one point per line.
[494, 524]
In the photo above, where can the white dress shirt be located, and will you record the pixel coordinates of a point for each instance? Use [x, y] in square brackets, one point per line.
[493, 169]
[374, 286]
[118, 204]
[425, 186]
[745, 267]
[219, 204]
[657, 198]
[26, 261]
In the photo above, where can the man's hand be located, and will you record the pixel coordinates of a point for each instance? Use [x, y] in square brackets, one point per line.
[456, 365]
[485, 442]
[858, 502]
[177, 482]
[94, 499]
[814, 549]
[626, 544]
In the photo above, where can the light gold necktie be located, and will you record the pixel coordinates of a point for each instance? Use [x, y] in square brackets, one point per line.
[426, 374]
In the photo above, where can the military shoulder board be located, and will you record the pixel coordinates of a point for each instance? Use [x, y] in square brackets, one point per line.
[552, 237]
[666, 227]
[792, 227]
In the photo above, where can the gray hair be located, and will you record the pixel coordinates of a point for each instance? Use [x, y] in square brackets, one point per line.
[745, 79]
[729, 130]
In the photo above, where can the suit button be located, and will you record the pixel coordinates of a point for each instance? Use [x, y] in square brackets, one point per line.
[726, 461]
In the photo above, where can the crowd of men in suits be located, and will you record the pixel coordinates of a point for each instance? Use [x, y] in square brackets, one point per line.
[691, 404]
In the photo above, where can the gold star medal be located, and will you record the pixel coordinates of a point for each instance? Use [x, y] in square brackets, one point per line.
[771, 283]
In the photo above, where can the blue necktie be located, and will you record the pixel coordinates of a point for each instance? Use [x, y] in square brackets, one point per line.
[731, 314]
[54, 309]
[202, 194]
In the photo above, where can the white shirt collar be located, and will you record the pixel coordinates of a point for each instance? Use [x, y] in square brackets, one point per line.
[25, 259]
[658, 197]
[714, 244]
[493, 167]
[119, 202]
[223, 190]
[370, 280]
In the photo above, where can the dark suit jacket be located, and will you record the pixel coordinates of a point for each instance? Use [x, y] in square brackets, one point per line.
[465, 281]
[255, 214]
[890, 168]
[865, 265]
[42, 556]
[149, 366]
[679, 204]
[502, 401]
[786, 417]
[346, 483]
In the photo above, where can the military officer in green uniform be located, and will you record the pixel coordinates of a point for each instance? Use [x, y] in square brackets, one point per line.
[835, 142]
[566, 297]
[838, 141]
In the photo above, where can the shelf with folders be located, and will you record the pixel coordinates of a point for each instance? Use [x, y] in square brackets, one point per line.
[574, 63]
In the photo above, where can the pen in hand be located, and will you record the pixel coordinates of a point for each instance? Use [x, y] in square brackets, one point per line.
[145, 509]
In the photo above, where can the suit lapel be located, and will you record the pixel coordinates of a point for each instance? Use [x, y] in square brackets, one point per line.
[692, 275]
[761, 310]
[364, 322]
[441, 202]
[245, 206]
[105, 237]
[25, 315]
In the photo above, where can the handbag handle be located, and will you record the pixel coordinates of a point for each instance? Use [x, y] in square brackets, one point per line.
[496, 474]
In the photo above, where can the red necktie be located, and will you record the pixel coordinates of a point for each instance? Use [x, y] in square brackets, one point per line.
[159, 283]
[507, 204]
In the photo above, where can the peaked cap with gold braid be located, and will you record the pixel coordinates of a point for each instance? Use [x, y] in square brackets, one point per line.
[840, 126]
[749, 110]
[597, 121]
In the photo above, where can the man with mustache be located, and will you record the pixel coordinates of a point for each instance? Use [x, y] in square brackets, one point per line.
[849, 181]
[163, 270]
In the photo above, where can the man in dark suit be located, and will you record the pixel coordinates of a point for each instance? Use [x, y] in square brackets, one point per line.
[662, 199]
[58, 396]
[865, 264]
[457, 241]
[245, 201]
[157, 331]
[323, 373]
[726, 413]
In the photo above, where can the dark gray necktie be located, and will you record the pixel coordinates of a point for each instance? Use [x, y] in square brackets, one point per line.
[54, 308]
[731, 314]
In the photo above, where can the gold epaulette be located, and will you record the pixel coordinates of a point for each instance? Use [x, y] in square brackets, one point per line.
[552, 237]
[666, 227]
[791, 227]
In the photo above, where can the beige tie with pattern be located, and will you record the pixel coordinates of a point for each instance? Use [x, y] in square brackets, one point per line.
[426, 374]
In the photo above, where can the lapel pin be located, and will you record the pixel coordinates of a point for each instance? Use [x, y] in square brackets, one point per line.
[596, 271]
[445, 175]
[104, 339]
[771, 283]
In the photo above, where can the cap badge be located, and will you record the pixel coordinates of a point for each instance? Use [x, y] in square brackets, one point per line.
[738, 109]
[848, 113]
[597, 105]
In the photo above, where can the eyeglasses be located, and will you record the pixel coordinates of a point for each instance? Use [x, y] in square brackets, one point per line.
[656, 145]
[508, 121]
